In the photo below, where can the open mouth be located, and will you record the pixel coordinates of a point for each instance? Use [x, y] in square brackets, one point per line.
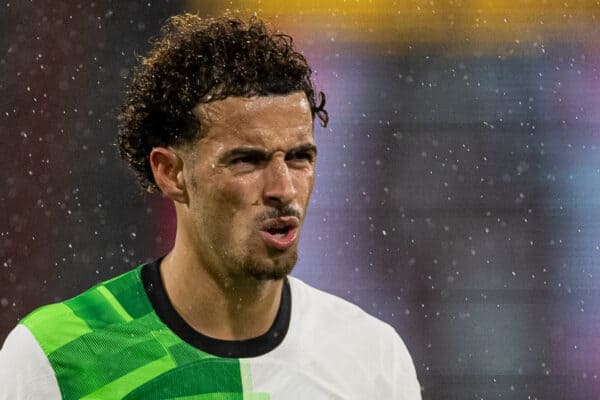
[280, 233]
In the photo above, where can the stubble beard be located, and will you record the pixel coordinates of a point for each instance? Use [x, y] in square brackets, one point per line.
[274, 269]
[249, 260]
[254, 261]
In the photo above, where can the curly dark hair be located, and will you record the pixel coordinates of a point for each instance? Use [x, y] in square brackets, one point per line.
[197, 60]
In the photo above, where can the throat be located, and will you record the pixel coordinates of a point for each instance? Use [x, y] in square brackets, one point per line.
[232, 310]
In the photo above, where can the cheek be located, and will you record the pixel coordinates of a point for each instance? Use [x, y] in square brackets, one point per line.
[236, 202]
[304, 185]
[237, 195]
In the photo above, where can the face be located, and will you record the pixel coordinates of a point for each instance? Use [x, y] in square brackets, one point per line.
[249, 182]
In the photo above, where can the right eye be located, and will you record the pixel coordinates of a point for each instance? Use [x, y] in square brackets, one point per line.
[243, 160]
[246, 162]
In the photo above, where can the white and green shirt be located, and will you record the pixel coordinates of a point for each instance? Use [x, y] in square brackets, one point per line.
[122, 339]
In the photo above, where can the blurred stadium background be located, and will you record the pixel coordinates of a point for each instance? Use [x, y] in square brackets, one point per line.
[458, 188]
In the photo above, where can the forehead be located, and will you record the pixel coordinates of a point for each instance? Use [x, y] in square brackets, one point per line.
[265, 121]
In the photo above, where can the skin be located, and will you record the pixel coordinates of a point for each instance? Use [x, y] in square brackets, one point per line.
[255, 161]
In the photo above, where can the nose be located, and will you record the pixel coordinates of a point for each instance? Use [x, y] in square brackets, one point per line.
[279, 187]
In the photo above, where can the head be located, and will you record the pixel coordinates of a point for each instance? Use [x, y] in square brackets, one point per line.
[197, 61]
[219, 117]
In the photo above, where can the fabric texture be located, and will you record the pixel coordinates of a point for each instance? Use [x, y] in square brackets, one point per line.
[110, 343]
[25, 372]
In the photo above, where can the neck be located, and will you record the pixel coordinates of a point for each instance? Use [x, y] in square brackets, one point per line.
[218, 306]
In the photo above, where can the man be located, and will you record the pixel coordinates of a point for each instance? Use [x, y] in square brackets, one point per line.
[219, 118]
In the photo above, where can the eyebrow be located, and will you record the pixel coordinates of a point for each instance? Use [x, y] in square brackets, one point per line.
[261, 154]
[303, 148]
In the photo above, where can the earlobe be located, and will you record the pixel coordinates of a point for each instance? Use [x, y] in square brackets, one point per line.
[167, 168]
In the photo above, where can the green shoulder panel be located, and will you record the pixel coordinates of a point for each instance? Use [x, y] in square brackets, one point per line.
[108, 343]
[116, 301]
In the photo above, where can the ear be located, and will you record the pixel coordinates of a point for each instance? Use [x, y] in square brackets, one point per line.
[167, 168]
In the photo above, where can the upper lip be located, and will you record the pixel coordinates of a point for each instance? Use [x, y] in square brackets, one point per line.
[280, 223]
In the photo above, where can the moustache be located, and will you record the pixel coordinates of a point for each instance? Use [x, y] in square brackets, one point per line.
[272, 213]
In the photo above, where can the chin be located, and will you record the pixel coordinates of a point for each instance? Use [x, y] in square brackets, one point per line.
[275, 268]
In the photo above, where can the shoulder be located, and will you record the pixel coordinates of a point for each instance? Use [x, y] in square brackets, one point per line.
[337, 312]
[25, 371]
[118, 300]
[342, 321]
[342, 337]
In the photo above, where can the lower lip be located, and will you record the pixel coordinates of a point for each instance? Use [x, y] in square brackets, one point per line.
[283, 242]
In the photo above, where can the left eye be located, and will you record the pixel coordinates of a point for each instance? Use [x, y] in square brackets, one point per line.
[300, 156]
